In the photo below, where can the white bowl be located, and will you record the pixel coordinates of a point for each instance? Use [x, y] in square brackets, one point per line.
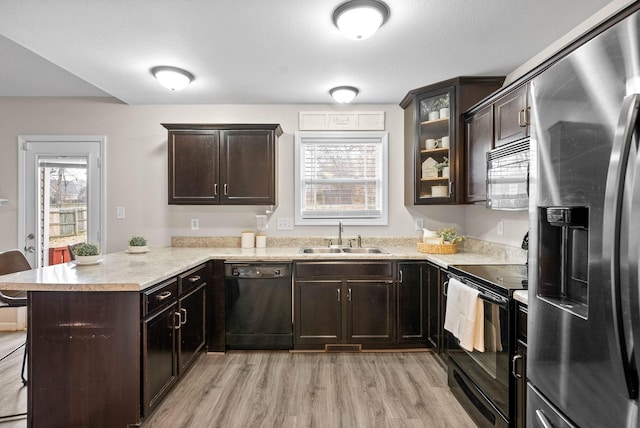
[138, 249]
[88, 260]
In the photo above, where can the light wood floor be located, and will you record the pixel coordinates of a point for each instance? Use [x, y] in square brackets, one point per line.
[13, 395]
[281, 389]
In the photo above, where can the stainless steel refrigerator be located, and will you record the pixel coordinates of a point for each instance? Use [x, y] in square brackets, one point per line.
[584, 307]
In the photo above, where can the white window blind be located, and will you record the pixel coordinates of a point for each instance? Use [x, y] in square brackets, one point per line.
[341, 176]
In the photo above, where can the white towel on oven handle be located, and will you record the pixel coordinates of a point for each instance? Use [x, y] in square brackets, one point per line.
[464, 315]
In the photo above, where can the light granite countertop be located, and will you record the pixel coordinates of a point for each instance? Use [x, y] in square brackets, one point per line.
[522, 296]
[122, 271]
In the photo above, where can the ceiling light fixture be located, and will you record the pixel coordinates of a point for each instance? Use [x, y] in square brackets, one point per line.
[344, 94]
[360, 19]
[173, 78]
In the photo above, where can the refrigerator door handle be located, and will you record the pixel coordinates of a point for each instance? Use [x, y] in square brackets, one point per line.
[614, 196]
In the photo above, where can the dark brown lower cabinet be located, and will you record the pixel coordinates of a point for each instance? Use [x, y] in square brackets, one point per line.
[159, 363]
[84, 359]
[106, 359]
[173, 332]
[344, 303]
[192, 334]
[519, 365]
[413, 309]
[435, 279]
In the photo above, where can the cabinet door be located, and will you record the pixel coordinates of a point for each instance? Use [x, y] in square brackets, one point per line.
[317, 315]
[412, 302]
[479, 140]
[511, 117]
[193, 167]
[435, 136]
[434, 298]
[248, 168]
[159, 363]
[192, 328]
[369, 312]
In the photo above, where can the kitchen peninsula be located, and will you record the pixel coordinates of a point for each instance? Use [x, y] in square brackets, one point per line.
[85, 333]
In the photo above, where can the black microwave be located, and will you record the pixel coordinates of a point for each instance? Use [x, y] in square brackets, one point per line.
[508, 177]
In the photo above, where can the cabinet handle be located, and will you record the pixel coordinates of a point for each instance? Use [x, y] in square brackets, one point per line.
[338, 294]
[163, 296]
[184, 321]
[400, 279]
[215, 189]
[194, 278]
[514, 366]
[226, 189]
[450, 188]
[444, 288]
[176, 325]
[348, 294]
[523, 117]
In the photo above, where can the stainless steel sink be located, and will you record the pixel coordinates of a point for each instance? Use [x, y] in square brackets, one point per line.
[342, 250]
[320, 250]
[369, 250]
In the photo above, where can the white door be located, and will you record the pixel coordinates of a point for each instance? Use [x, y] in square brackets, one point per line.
[61, 195]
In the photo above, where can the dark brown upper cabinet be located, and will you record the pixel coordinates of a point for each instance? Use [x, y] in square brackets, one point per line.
[498, 120]
[230, 164]
[434, 136]
[512, 116]
[478, 141]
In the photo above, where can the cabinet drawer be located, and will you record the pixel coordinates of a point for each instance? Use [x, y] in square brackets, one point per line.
[159, 296]
[319, 270]
[192, 279]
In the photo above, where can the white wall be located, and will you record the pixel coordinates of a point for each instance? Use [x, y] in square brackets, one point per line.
[137, 171]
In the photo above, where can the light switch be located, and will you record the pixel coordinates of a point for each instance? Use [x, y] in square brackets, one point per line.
[119, 213]
[195, 224]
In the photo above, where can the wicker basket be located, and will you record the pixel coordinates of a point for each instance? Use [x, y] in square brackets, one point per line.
[437, 248]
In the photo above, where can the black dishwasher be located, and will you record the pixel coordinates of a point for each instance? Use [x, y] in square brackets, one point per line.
[258, 306]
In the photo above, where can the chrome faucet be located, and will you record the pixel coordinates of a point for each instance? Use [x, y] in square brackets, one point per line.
[340, 233]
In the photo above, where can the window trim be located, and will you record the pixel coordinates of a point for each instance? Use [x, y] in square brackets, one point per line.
[377, 137]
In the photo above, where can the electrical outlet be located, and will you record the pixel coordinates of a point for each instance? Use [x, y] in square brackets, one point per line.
[285, 223]
[500, 227]
[195, 224]
[119, 213]
[418, 223]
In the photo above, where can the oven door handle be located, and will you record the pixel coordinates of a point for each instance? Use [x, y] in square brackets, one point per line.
[493, 300]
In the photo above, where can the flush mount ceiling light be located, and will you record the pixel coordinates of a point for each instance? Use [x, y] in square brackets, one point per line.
[360, 19]
[344, 94]
[173, 78]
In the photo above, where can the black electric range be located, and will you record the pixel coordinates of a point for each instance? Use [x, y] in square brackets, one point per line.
[501, 279]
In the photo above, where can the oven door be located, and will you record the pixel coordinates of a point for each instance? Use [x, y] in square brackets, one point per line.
[489, 370]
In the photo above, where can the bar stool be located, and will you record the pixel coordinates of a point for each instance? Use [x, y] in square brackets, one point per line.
[13, 261]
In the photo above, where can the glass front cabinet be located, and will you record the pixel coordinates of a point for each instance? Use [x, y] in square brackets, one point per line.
[434, 138]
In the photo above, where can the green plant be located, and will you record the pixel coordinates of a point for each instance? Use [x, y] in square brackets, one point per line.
[85, 250]
[443, 164]
[137, 241]
[449, 234]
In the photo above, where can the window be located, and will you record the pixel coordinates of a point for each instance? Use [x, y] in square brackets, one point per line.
[341, 176]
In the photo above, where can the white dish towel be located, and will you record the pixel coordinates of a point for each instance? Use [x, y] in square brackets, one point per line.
[464, 316]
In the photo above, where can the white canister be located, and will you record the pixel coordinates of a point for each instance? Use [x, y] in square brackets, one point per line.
[261, 240]
[247, 239]
[434, 115]
[439, 191]
[444, 142]
[444, 112]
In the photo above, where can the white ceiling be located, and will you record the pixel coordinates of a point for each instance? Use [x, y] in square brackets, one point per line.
[265, 51]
